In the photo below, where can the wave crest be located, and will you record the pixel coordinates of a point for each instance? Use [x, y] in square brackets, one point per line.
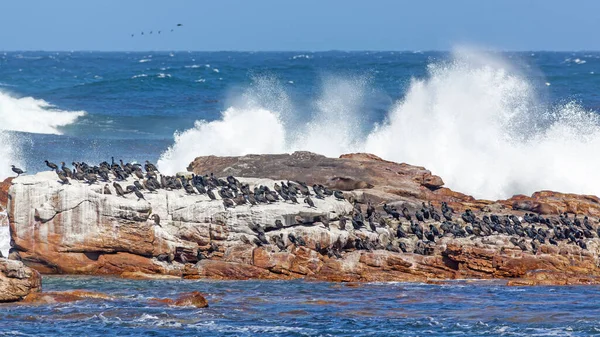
[474, 120]
[27, 114]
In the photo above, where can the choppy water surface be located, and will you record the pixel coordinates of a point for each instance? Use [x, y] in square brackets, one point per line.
[299, 308]
[432, 109]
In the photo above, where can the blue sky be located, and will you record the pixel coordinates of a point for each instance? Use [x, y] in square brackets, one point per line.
[313, 25]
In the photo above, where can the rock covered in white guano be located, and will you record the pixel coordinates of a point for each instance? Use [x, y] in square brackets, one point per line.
[77, 229]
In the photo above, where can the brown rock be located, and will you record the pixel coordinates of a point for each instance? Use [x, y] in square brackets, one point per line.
[4, 186]
[65, 296]
[194, 298]
[349, 172]
[549, 202]
[17, 281]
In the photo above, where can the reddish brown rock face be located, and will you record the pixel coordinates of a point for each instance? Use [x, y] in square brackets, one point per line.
[4, 186]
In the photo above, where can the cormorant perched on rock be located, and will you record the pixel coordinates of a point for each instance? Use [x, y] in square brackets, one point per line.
[257, 242]
[149, 167]
[292, 239]
[278, 224]
[429, 236]
[400, 233]
[118, 189]
[391, 211]
[370, 209]
[279, 242]
[309, 201]
[434, 230]
[66, 170]
[342, 223]
[228, 203]
[138, 173]
[106, 189]
[138, 185]
[293, 198]
[62, 177]
[390, 247]
[406, 214]
[17, 170]
[586, 223]
[138, 194]
[51, 165]
[318, 192]
[156, 219]
[211, 194]
[90, 177]
[189, 189]
[239, 200]
[270, 197]
[263, 238]
[325, 221]
[339, 195]
[372, 225]
[419, 215]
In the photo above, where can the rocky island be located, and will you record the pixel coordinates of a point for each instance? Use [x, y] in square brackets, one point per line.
[350, 219]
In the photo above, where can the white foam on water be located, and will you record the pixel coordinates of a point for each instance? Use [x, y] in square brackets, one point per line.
[27, 114]
[474, 120]
[4, 238]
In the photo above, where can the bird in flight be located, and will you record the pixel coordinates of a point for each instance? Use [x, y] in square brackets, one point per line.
[150, 32]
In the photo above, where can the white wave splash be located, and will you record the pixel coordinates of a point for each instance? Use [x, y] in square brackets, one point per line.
[31, 115]
[474, 120]
[28, 114]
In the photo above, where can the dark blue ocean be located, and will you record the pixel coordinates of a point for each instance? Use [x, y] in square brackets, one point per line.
[299, 308]
[427, 108]
[490, 124]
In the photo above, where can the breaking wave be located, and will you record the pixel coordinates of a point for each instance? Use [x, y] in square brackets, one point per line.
[31, 115]
[474, 120]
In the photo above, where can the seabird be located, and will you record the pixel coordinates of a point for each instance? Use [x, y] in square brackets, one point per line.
[106, 189]
[211, 195]
[138, 185]
[119, 189]
[339, 195]
[156, 219]
[63, 179]
[51, 165]
[138, 194]
[17, 170]
[66, 170]
[227, 202]
[309, 201]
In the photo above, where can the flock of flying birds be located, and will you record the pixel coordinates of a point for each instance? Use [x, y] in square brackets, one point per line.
[159, 31]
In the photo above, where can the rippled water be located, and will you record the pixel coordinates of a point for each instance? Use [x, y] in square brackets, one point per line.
[300, 308]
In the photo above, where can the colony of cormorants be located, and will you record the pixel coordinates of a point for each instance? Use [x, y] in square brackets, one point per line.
[426, 224]
[231, 191]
